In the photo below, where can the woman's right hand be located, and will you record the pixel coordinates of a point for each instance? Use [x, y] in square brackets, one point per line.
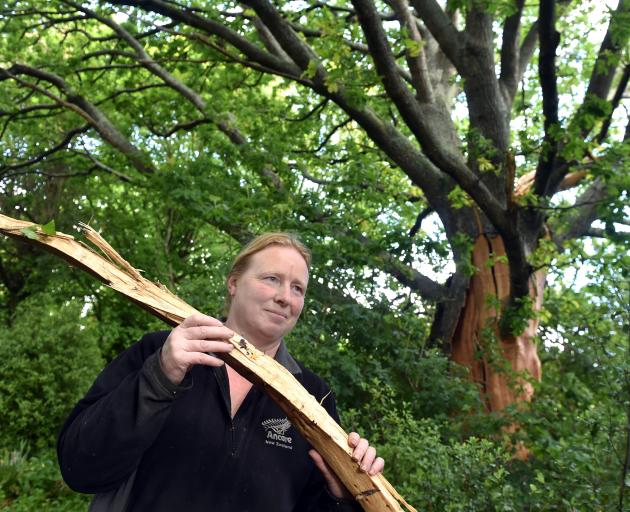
[189, 344]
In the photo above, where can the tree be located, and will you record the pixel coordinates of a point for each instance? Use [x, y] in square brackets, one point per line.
[354, 123]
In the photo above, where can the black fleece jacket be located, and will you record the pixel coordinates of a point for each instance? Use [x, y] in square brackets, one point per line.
[187, 453]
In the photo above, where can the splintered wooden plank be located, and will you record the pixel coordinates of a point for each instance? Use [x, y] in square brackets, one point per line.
[374, 493]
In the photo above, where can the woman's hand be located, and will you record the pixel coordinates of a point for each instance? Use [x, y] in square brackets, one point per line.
[363, 454]
[190, 343]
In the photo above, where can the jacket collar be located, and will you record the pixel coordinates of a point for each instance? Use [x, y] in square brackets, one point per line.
[286, 360]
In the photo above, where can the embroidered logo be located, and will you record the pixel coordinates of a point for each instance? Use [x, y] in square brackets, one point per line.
[276, 430]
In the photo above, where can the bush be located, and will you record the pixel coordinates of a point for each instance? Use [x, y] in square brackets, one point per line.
[49, 356]
[28, 483]
[431, 471]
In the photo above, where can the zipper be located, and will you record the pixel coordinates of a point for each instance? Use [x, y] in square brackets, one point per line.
[221, 376]
[233, 435]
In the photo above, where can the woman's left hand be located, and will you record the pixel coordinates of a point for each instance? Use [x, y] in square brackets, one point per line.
[363, 454]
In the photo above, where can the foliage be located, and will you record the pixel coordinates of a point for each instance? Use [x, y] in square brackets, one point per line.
[30, 483]
[434, 473]
[48, 359]
[389, 188]
[576, 426]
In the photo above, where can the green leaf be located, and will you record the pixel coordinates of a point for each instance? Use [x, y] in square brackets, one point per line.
[413, 47]
[311, 69]
[331, 85]
[486, 165]
[29, 233]
[49, 228]
[459, 198]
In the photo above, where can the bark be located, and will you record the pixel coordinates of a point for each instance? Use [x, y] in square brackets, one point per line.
[549, 40]
[373, 493]
[510, 53]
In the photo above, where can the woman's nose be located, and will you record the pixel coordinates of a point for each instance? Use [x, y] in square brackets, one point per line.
[282, 294]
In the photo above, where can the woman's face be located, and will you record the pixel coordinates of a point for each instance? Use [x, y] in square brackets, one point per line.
[268, 297]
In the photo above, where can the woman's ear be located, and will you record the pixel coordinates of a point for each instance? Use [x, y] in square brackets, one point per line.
[231, 285]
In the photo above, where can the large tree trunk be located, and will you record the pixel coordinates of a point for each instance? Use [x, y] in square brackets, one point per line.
[477, 343]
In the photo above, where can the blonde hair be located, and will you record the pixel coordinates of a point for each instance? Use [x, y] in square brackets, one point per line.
[261, 242]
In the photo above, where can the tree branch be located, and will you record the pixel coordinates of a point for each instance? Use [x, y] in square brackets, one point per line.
[549, 39]
[528, 47]
[445, 33]
[510, 54]
[143, 58]
[129, 90]
[605, 66]
[621, 88]
[77, 103]
[599, 86]
[169, 80]
[325, 140]
[582, 215]
[179, 127]
[418, 224]
[615, 236]
[268, 40]
[57, 147]
[320, 106]
[488, 109]
[432, 127]
[253, 52]
[416, 58]
[300, 52]
[419, 283]
[104, 167]
[38, 172]
[361, 48]
[25, 110]
[441, 69]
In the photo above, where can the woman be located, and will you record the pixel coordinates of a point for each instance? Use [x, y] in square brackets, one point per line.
[167, 426]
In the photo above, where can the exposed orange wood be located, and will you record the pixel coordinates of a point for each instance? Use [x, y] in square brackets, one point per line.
[477, 343]
[525, 182]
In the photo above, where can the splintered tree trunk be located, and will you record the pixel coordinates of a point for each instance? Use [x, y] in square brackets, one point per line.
[374, 493]
[499, 364]
[495, 362]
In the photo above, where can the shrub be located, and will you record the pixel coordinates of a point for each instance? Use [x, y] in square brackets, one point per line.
[28, 483]
[49, 356]
[431, 471]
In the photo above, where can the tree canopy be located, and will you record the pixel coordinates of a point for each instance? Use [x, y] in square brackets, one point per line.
[440, 158]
